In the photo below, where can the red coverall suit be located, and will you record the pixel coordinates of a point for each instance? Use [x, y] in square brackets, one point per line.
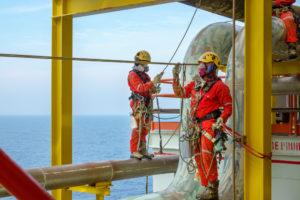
[217, 96]
[288, 18]
[139, 83]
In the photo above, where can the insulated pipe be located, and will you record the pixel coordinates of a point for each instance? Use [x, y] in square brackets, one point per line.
[286, 85]
[220, 7]
[65, 176]
[224, 7]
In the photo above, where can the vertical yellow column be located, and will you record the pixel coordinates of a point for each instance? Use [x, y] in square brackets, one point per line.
[258, 75]
[61, 92]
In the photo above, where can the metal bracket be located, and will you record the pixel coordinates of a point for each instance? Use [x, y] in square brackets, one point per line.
[99, 189]
[241, 139]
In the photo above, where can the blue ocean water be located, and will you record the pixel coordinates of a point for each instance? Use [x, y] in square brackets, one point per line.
[95, 138]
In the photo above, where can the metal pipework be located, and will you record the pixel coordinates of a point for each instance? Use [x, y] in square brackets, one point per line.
[286, 85]
[65, 176]
[220, 7]
[224, 7]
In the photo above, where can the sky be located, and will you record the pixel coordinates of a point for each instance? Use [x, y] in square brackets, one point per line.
[98, 88]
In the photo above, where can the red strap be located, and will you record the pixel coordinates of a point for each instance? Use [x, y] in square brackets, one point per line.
[247, 147]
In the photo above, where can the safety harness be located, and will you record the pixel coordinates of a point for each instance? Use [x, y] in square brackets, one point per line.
[143, 108]
[135, 96]
[220, 137]
[213, 115]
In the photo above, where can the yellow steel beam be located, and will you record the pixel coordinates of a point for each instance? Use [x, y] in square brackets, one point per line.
[258, 76]
[288, 67]
[61, 93]
[100, 189]
[88, 7]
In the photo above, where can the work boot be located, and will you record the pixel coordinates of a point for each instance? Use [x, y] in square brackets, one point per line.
[210, 193]
[136, 155]
[292, 50]
[145, 153]
[148, 155]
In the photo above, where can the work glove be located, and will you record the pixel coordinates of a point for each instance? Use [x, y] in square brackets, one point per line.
[218, 124]
[176, 71]
[157, 78]
[155, 90]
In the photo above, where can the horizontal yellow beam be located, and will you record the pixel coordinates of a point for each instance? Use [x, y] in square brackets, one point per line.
[288, 67]
[99, 189]
[88, 7]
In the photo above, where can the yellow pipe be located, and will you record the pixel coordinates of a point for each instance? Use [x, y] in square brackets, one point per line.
[258, 76]
[61, 93]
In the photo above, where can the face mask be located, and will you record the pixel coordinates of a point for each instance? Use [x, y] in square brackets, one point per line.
[140, 68]
[146, 68]
[202, 69]
[205, 69]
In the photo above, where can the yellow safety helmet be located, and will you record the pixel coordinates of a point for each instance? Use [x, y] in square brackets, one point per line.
[208, 57]
[143, 56]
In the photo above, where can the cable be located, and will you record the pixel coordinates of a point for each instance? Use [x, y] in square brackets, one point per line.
[169, 139]
[247, 147]
[82, 59]
[159, 128]
[169, 63]
[187, 29]
[190, 164]
[147, 184]
[233, 96]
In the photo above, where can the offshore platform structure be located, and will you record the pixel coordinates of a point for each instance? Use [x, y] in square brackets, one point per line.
[257, 89]
[259, 69]
[258, 61]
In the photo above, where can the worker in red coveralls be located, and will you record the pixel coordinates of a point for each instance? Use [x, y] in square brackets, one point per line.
[142, 88]
[208, 94]
[283, 10]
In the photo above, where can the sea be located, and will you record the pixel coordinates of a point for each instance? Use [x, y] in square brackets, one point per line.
[27, 140]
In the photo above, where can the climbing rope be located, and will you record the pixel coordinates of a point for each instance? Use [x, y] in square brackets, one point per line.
[233, 97]
[248, 148]
[186, 31]
[159, 128]
[162, 147]
[185, 137]
[169, 63]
